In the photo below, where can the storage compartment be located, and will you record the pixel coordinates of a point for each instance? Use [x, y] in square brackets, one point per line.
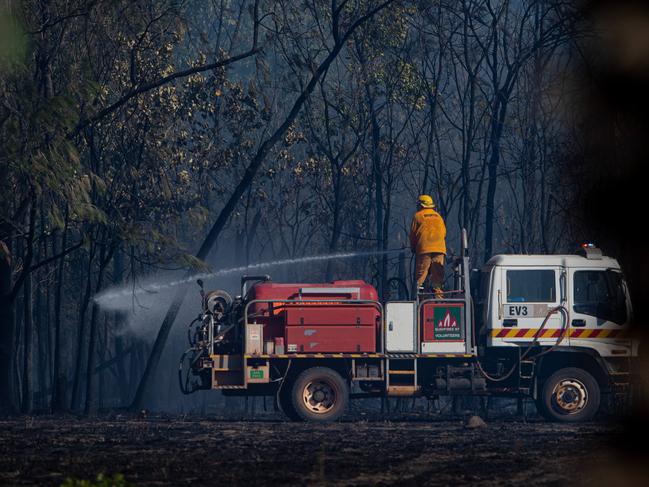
[334, 314]
[331, 339]
[254, 339]
[331, 328]
[401, 328]
[222, 378]
[275, 315]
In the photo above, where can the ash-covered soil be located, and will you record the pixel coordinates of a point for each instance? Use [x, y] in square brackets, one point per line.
[191, 451]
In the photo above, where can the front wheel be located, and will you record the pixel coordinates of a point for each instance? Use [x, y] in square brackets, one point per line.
[320, 394]
[569, 395]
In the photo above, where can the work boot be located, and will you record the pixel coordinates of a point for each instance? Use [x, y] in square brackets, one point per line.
[439, 294]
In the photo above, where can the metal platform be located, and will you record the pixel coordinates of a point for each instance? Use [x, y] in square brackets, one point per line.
[361, 355]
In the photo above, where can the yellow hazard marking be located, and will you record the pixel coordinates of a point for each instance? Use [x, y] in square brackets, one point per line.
[526, 333]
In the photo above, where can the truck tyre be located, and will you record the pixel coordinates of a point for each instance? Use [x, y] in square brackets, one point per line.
[285, 401]
[320, 394]
[569, 395]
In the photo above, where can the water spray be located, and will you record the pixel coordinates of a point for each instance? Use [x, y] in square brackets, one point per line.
[105, 299]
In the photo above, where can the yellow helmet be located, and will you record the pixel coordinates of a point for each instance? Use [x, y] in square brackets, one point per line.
[426, 201]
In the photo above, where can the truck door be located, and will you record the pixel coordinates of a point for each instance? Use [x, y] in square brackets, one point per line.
[525, 297]
[599, 310]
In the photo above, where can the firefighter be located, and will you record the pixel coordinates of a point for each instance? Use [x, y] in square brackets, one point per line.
[427, 242]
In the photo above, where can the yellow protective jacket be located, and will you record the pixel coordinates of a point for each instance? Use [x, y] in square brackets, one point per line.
[427, 232]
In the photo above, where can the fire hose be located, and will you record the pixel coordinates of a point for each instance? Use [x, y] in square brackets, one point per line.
[193, 339]
[564, 327]
[184, 385]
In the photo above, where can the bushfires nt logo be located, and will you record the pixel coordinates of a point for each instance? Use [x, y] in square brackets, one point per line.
[448, 321]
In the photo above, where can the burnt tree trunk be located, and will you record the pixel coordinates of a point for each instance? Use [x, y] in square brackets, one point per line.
[28, 357]
[494, 161]
[7, 404]
[378, 191]
[120, 355]
[90, 404]
[42, 333]
[57, 403]
[105, 256]
[336, 218]
[76, 384]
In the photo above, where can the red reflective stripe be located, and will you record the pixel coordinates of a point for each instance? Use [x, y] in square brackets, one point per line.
[555, 333]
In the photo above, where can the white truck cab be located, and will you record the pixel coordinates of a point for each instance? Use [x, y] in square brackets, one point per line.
[563, 321]
[557, 300]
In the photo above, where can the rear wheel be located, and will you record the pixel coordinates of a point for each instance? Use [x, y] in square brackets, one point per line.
[569, 395]
[320, 394]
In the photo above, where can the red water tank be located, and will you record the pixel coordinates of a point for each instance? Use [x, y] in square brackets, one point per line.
[315, 318]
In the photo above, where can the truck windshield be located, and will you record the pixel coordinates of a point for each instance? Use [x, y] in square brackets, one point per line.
[600, 293]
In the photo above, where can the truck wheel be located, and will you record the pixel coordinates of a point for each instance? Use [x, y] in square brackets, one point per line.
[569, 395]
[320, 394]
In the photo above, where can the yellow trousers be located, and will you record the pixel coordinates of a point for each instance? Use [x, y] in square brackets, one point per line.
[430, 267]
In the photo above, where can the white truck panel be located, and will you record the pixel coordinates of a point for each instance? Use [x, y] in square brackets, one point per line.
[400, 326]
[443, 347]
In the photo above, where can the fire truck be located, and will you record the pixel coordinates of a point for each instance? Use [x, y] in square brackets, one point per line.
[549, 327]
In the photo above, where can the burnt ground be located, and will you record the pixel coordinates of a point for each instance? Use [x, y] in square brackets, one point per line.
[183, 451]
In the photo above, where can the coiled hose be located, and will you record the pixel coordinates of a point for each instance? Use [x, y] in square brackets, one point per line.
[564, 327]
[184, 385]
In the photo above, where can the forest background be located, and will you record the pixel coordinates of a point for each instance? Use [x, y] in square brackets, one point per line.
[141, 139]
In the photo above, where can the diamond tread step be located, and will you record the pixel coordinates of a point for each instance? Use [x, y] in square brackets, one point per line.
[403, 390]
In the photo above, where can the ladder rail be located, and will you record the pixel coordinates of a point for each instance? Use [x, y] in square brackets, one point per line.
[403, 387]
